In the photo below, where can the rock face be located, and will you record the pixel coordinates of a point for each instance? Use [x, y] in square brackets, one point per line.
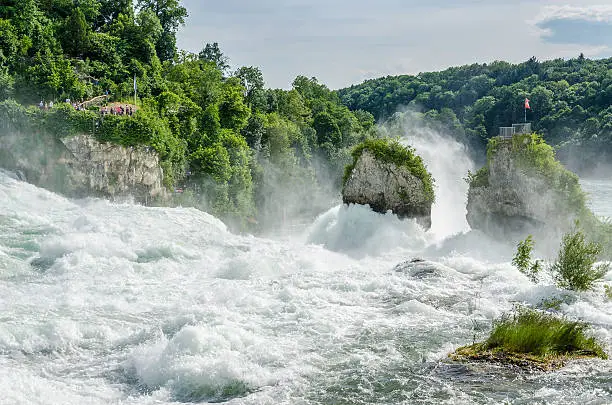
[81, 166]
[515, 202]
[386, 186]
[114, 170]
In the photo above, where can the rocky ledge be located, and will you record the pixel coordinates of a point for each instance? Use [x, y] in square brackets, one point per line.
[80, 166]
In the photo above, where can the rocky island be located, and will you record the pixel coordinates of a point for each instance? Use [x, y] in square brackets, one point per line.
[533, 340]
[524, 189]
[389, 177]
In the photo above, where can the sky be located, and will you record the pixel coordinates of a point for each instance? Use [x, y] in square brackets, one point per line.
[344, 42]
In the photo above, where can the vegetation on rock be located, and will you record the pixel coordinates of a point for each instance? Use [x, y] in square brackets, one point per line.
[478, 179]
[534, 157]
[608, 291]
[392, 151]
[531, 154]
[533, 339]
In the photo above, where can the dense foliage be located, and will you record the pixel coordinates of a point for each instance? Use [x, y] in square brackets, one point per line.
[391, 151]
[223, 138]
[570, 99]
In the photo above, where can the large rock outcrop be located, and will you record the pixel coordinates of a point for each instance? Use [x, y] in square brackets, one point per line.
[80, 166]
[388, 185]
[523, 189]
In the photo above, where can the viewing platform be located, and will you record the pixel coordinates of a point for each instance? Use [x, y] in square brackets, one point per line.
[516, 129]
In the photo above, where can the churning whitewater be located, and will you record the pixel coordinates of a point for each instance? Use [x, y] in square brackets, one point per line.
[106, 303]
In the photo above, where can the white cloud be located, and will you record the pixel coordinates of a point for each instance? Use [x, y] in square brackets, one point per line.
[599, 13]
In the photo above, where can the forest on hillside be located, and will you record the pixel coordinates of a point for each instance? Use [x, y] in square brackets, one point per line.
[243, 152]
[570, 100]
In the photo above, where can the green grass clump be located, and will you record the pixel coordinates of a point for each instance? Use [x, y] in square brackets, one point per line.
[528, 331]
[391, 151]
[533, 340]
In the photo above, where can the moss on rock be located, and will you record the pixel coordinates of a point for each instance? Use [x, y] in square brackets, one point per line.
[389, 150]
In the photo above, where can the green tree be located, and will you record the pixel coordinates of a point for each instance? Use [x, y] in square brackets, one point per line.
[171, 16]
[212, 53]
[327, 129]
[150, 26]
[9, 43]
[254, 130]
[110, 10]
[252, 80]
[76, 33]
[6, 84]
[233, 112]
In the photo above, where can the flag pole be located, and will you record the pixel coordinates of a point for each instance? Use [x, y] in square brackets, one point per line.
[135, 91]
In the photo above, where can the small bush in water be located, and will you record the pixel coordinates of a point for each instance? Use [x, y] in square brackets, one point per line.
[528, 331]
[522, 259]
[608, 291]
[575, 267]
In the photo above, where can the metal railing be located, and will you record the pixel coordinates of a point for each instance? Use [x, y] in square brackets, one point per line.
[515, 129]
[521, 129]
[506, 132]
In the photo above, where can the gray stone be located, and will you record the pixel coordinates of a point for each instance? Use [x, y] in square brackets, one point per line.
[387, 187]
[80, 166]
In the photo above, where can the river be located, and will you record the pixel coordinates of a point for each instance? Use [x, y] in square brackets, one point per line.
[104, 303]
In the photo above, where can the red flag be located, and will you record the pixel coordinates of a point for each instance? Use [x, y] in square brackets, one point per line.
[527, 107]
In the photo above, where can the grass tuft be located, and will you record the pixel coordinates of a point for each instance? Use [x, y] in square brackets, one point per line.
[532, 332]
[533, 339]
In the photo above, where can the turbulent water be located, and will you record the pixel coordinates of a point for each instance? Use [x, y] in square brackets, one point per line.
[105, 303]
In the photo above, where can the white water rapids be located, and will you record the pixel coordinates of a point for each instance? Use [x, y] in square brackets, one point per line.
[105, 303]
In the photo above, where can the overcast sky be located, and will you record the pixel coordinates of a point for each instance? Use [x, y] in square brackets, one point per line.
[344, 42]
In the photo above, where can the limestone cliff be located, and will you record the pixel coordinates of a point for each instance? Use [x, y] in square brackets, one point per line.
[523, 189]
[388, 185]
[80, 166]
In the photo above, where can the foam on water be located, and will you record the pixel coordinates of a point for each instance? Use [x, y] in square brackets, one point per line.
[117, 303]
